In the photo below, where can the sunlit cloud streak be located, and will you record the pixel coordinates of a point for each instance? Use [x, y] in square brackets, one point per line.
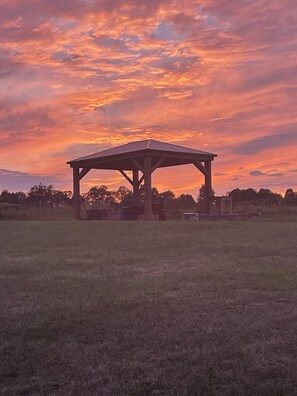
[79, 76]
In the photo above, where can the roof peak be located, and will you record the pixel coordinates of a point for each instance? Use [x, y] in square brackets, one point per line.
[143, 145]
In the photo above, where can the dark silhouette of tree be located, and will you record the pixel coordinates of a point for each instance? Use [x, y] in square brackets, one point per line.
[239, 195]
[186, 201]
[100, 195]
[250, 194]
[15, 198]
[166, 196]
[42, 195]
[61, 198]
[267, 196]
[201, 198]
[155, 195]
[265, 193]
[45, 196]
[124, 196]
[291, 197]
[169, 200]
[290, 193]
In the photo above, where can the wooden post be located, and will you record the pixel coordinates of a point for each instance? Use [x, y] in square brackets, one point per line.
[207, 184]
[222, 205]
[148, 202]
[76, 193]
[135, 187]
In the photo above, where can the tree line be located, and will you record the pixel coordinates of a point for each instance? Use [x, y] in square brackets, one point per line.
[46, 196]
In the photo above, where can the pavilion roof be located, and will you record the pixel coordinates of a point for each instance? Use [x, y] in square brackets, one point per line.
[142, 147]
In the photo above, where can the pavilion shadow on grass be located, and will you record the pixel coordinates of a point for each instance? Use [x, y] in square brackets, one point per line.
[143, 156]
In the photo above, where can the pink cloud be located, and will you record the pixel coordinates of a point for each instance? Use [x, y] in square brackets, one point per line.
[212, 74]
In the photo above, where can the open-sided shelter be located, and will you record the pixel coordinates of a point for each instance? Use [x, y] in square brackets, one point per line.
[143, 156]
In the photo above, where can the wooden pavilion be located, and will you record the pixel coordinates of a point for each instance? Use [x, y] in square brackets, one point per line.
[143, 156]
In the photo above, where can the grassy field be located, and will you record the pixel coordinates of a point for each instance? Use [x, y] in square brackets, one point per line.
[97, 308]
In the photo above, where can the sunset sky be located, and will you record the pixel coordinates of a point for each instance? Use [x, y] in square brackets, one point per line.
[80, 76]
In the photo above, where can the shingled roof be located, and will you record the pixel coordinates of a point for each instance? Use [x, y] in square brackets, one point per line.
[150, 146]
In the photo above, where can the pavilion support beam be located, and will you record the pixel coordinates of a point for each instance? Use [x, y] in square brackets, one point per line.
[126, 176]
[141, 180]
[200, 167]
[83, 172]
[136, 192]
[137, 164]
[148, 199]
[157, 164]
[207, 184]
[76, 193]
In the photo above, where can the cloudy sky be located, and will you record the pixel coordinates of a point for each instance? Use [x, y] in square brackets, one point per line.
[80, 76]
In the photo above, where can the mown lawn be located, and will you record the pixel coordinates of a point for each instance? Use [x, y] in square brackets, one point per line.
[97, 308]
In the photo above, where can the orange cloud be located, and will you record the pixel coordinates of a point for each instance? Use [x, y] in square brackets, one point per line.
[78, 76]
